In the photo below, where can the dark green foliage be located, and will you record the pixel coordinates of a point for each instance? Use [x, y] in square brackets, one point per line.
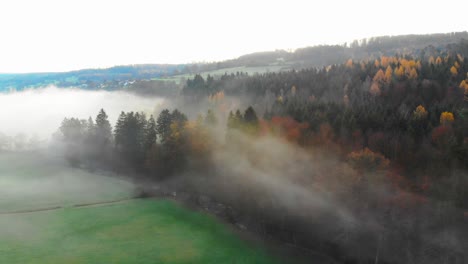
[150, 133]
[103, 128]
[163, 125]
[250, 117]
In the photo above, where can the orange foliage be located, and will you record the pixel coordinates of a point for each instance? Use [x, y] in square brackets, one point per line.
[431, 60]
[217, 97]
[464, 85]
[375, 89]
[368, 160]
[377, 63]
[438, 60]
[439, 133]
[384, 61]
[413, 74]
[379, 76]
[454, 71]
[446, 118]
[388, 74]
[349, 63]
[286, 127]
[420, 112]
[198, 137]
[399, 72]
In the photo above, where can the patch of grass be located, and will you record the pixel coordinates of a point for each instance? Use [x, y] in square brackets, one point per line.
[138, 231]
[29, 181]
[251, 70]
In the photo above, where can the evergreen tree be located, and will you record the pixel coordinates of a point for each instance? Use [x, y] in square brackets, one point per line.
[250, 117]
[163, 125]
[150, 133]
[91, 127]
[120, 129]
[178, 117]
[103, 128]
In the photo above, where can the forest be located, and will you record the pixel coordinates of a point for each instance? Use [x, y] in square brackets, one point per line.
[364, 160]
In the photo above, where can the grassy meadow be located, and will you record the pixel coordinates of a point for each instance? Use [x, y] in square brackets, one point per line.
[131, 231]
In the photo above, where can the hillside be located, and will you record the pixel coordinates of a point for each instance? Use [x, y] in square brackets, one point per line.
[123, 77]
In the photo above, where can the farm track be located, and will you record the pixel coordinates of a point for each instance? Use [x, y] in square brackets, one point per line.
[83, 205]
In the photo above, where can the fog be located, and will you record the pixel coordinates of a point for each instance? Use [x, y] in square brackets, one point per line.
[305, 194]
[40, 111]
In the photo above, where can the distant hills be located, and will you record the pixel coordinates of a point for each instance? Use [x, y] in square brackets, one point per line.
[120, 77]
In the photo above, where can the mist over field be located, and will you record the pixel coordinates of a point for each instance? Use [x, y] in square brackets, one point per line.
[348, 154]
[39, 112]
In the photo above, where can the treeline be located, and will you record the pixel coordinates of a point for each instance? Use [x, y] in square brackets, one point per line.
[137, 144]
[361, 160]
[404, 100]
[323, 55]
[391, 211]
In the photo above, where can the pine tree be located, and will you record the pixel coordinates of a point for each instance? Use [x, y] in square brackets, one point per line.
[119, 130]
[163, 125]
[150, 133]
[103, 128]
[250, 117]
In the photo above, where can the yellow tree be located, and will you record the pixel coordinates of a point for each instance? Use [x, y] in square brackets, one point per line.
[349, 63]
[420, 112]
[375, 89]
[399, 72]
[438, 60]
[431, 60]
[454, 71]
[377, 63]
[367, 160]
[388, 74]
[384, 61]
[379, 76]
[464, 85]
[446, 118]
[413, 74]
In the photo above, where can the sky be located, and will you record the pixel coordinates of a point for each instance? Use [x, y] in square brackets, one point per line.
[57, 35]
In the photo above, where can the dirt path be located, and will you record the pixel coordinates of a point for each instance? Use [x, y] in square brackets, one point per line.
[83, 205]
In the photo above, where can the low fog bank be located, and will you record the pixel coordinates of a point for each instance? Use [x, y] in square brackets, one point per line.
[34, 180]
[312, 198]
[37, 113]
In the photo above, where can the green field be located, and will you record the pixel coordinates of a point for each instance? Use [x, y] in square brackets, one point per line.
[131, 231]
[139, 231]
[251, 70]
[33, 181]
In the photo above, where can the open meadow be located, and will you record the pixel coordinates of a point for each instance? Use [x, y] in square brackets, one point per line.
[126, 231]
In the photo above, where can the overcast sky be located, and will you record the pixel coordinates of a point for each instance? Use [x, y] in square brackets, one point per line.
[59, 35]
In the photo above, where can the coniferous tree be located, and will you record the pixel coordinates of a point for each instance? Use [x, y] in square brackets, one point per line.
[103, 128]
[250, 117]
[163, 125]
[150, 133]
[120, 130]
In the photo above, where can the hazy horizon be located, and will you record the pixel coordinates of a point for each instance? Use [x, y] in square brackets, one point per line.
[57, 36]
[223, 59]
